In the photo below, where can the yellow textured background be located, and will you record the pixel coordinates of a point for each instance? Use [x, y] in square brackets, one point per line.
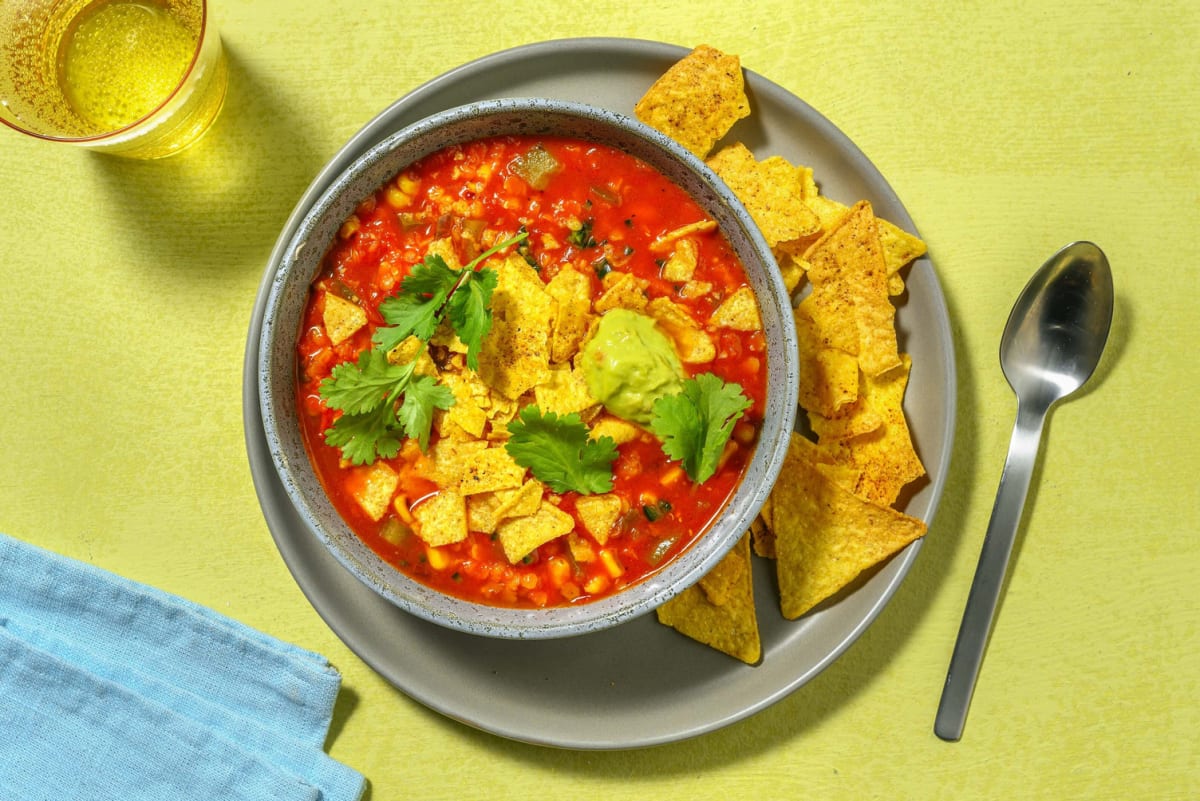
[1008, 129]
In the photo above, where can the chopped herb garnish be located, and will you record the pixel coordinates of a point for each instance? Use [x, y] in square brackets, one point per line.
[695, 424]
[602, 267]
[582, 237]
[383, 403]
[560, 453]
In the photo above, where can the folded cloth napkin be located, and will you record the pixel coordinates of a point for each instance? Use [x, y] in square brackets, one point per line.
[112, 689]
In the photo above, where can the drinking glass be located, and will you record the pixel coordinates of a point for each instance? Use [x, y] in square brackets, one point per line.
[137, 78]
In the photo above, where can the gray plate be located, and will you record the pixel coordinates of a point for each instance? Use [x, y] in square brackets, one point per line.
[640, 683]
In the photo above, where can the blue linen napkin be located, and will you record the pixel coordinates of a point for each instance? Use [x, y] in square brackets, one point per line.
[113, 689]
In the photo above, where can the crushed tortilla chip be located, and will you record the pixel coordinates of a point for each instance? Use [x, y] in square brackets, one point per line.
[519, 536]
[373, 487]
[738, 312]
[693, 345]
[664, 243]
[442, 518]
[719, 610]
[343, 318]
[622, 291]
[697, 100]
[680, 266]
[599, 514]
[522, 501]
[515, 355]
[564, 391]
[618, 430]
[572, 316]
[489, 470]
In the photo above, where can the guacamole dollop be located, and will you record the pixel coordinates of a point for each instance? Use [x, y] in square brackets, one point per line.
[629, 364]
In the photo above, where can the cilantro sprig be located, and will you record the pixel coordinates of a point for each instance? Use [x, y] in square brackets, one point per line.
[383, 403]
[695, 424]
[559, 452]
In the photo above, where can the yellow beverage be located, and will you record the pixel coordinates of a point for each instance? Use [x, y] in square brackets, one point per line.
[121, 60]
[140, 78]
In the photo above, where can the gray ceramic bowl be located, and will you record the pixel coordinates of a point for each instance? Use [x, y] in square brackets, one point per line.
[302, 260]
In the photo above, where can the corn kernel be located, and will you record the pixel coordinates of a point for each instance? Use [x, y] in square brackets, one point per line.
[672, 476]
[400, 504]
[596, 584]
[558, 569]
[609, 560]
[397, 199]
[408, 185]
[437, 558]
[349, 228]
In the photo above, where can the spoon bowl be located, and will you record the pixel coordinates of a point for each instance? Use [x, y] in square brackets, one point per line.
[1051, 346]
[1058, 326]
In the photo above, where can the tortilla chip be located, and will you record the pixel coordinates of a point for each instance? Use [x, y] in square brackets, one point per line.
[719, 610]
[680, 266]
[519, 536]
[828, 376]
[572, 316]
[565, 391]
[791, 269]
[343, 318]
[693, 345]
[522, 501]
[825, 535]
[622, 291]
[899, 247]
[665, 243]
[618, 430]
[599, 514]
[444, 247]
[449, 459]
[762, 538]
[413, 348]
[515, 355]
[738, 312]
[481, 512]
[373, 487]
[772, 191]
[466, 419]
[697, 100]
[489, 470]
[441, 519]
[885, 457]
[849, 302]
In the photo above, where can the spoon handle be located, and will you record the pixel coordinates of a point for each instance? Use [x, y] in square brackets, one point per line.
[989, 575]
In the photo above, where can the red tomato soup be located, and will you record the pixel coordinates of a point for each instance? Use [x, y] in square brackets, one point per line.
[598, 231]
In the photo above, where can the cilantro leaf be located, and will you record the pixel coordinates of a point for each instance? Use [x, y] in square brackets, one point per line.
[358, 387]
[559, 452]
[695, 424]
[417, 308]
[422, 395]
[469, 311]
[367, 391]
[582, 236]
[365, 437]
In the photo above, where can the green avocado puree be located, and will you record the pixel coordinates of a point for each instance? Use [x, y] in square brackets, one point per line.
[629, 364]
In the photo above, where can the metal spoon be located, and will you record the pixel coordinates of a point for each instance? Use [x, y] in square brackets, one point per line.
[1051, 345]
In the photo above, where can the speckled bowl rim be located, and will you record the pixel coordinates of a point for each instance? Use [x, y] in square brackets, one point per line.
[301, 260]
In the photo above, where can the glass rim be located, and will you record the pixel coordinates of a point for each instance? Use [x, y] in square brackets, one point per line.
[100, 137]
